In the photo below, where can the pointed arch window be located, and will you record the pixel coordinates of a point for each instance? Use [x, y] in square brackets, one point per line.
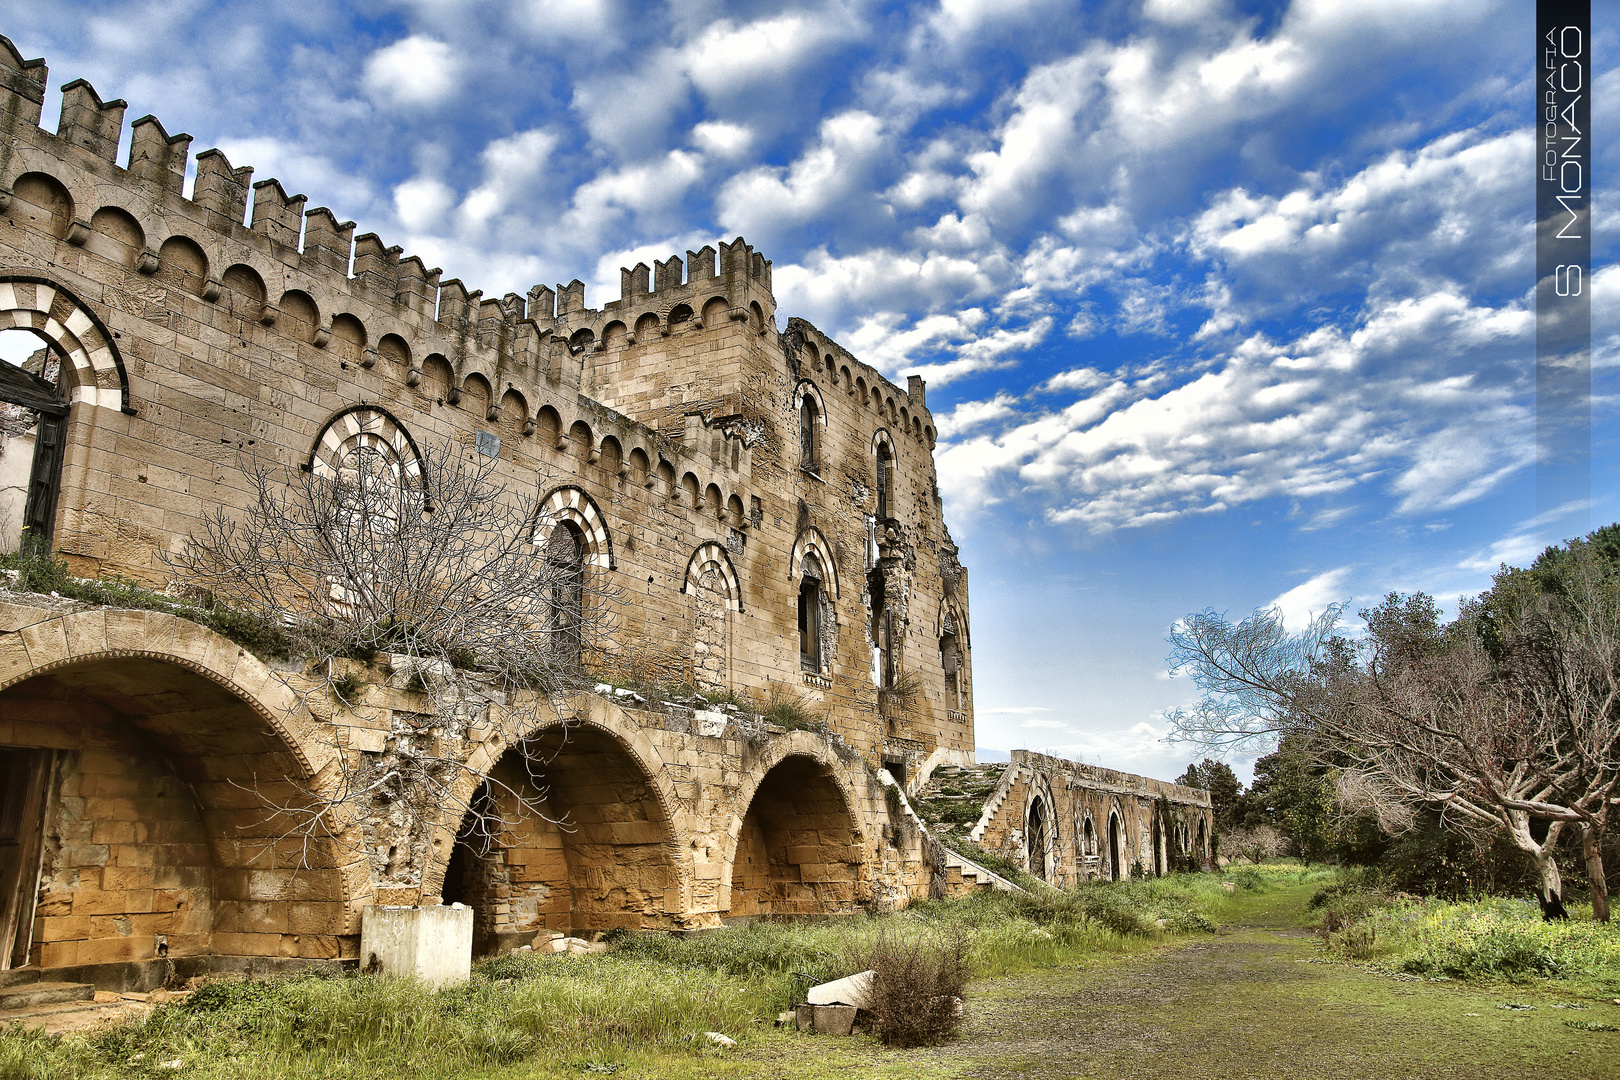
[810, 619]
[564, 553]
[809, 422]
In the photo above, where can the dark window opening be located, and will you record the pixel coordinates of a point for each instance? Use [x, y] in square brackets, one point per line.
[565, 607]
[1035, 839]
[807, 434]
[810, 616]
[32, 411]
[883, 480]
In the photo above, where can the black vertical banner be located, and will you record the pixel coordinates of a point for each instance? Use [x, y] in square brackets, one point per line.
[1563, 267]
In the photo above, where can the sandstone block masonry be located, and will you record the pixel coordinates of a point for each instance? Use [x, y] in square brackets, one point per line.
[766, 501]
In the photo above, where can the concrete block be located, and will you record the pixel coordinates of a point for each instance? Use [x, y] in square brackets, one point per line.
[825, 1019]
[433, 944]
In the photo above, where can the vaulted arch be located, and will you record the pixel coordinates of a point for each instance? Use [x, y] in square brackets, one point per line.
[796, 846]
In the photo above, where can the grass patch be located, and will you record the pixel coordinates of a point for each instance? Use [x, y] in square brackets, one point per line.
[651, 994]
[1492, 939]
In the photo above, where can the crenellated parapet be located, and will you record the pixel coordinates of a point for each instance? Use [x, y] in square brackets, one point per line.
[302, 274]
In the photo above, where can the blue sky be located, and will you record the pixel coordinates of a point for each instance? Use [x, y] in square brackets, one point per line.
[1222, 303]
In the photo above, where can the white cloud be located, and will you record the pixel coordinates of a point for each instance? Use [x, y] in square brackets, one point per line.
[414, 71]
[510, 166]
[420, 203]
[972, 414]
[1311, 598]
[762, 201]
[722, 139]
[1515, 550]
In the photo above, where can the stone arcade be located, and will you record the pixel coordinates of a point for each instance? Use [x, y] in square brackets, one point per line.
[765, 501]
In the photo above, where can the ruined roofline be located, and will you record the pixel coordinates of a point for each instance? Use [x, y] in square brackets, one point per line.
[829, 355]
[1113, 779]
[223, 193]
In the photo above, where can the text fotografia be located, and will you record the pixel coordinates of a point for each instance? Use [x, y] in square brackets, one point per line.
[1563, 261]
[1565, 154]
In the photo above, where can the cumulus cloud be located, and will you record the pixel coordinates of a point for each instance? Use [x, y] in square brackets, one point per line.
[414, 71]
[1311, 598]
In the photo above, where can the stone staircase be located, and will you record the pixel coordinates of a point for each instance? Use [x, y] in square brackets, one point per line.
[963, 876]
[37, 1002]
[950, 804]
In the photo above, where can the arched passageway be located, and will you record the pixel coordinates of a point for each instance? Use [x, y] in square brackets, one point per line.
[797, 852]
[567, 834]
[144, 826]
[1115, 870]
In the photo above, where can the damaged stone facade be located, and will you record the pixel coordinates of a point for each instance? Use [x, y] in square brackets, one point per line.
[765, 502]
[1067, 822]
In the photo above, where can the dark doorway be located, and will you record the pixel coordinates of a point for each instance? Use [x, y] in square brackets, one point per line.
[1158, 842]
[34, 417]
[24, 779]
[1035, 839]
[1113, 848]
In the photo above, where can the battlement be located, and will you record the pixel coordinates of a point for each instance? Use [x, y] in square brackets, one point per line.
[303, 273]
[224, 198]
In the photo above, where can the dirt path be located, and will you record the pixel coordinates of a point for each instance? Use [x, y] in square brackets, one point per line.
[1255, 1001]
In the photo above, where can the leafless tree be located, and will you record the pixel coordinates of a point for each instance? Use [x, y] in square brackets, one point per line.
[457, 588]
[1507, 719]
[1256, 843]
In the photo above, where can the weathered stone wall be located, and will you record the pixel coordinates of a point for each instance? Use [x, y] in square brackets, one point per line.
[673, 413]
[1066, 821]
[172, 744]
[669, 427]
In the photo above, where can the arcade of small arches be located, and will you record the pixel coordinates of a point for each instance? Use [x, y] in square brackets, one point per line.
[1102, 845]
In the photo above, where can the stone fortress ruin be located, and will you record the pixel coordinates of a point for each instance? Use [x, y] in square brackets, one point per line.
[764, 502]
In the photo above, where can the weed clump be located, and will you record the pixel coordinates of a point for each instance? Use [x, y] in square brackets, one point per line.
[916, 991]
[38, 571]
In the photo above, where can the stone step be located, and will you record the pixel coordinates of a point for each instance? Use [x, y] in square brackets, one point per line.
[16, 976]
[66, 1016]
[33, 994]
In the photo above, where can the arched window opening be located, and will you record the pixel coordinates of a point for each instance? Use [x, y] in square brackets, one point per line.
[1113, 848]
[884, 480]
[33, 432]
[810, 634]
[565, 601]
[950, 659]
[882, 632]
[1035, 839]
[808, 421]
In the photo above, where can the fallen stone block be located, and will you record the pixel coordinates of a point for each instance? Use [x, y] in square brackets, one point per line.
[719, 1039]
[854, 990]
